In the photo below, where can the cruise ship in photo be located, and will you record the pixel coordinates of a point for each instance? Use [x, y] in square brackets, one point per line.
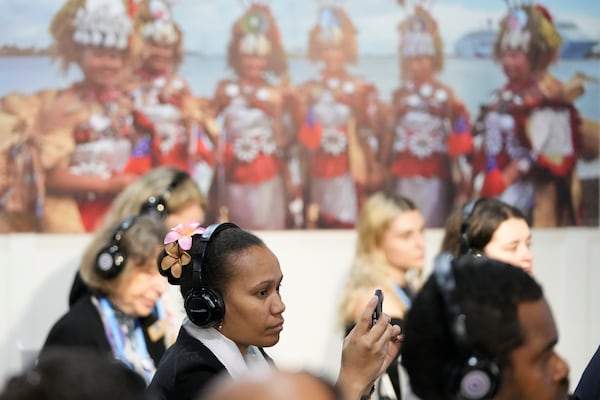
[480, 43]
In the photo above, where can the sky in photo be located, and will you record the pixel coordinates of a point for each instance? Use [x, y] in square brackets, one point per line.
[207, 23]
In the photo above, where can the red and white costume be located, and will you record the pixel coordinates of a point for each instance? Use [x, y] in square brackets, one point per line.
[541, 135]
[430, 130]
[329, 131]
[254, 186]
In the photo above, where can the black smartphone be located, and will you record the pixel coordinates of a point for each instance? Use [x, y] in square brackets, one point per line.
[378, 308]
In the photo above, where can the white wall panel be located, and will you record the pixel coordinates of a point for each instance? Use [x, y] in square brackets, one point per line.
[37, 271]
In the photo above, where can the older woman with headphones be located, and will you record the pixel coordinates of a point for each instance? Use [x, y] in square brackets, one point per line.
[121, 314]
[230, 281]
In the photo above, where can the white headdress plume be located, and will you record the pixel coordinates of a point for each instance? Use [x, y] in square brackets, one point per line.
[516, 35]
[162, 27]
[417, 39]
[103, 23]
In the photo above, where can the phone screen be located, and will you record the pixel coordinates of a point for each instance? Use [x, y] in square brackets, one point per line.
[378, 308]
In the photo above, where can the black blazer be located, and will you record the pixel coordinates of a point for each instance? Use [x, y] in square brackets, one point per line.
[81, 327]
[186, 369]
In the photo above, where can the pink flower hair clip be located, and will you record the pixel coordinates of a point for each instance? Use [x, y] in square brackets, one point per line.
[177, 242]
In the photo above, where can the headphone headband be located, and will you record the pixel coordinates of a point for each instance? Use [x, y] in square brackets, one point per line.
[467, 211]
[446, 284]
[111, 259]
[159, 204]
[471, 375]
[210, 232]
[204, 306]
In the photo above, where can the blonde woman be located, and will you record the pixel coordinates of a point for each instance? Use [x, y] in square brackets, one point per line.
[390, 253]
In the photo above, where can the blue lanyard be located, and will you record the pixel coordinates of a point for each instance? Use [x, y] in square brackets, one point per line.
[402, 294]
[116, 338]
[160, 310]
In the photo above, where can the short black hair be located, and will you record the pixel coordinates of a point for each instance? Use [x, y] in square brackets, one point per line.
[219, 258]
[488, 292]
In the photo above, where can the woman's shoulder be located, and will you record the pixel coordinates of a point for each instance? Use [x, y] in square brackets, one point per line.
[82, 313]
[80, 326]
[189, 354]
[185, 369]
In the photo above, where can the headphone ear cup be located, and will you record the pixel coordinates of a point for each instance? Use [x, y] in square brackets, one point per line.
[109, 262]
[476, 379]
[475, 253]
[155, 206]
[204, 307]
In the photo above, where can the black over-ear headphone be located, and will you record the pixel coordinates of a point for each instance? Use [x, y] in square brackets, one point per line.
[204, 306]
[111, 259]
[157, 205]
[467, 211]
[473, 376]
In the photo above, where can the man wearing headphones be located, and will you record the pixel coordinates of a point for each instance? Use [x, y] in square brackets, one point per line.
[482, 329]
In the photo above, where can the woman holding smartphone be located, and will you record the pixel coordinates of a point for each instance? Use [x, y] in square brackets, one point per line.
[230, 283]
[390, 253]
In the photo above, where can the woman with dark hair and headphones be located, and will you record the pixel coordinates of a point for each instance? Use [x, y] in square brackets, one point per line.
[491, 227]
[230, 281]
[121, 314]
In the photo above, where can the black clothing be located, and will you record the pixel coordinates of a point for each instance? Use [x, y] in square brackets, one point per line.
[186, 369]
[588, 387]
[82, 327]
[79, 290]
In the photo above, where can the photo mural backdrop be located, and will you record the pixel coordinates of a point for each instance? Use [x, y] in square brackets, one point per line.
[290, 114]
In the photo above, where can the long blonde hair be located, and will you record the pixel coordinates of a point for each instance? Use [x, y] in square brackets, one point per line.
[155, 182]
[370, 266]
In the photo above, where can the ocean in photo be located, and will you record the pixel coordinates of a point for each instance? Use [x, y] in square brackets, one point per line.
[472, 79]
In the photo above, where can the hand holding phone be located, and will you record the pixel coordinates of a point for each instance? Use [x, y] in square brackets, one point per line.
[378, 308]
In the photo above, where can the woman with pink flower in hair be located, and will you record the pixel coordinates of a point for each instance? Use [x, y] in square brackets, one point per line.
[230, 282]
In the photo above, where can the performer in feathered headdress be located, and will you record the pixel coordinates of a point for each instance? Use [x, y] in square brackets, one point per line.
[252, 174]
[93, 144]
[530, 128]
[182, 138]
[426, 149]
[339, 124]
